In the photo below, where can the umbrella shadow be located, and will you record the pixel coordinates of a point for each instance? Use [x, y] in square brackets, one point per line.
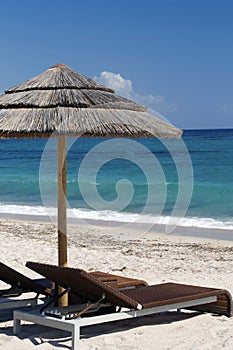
[38, 335]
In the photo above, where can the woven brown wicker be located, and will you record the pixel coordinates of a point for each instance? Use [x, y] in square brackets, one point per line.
[120, 281]
[19, 283]
[90, 288]
[115, 281]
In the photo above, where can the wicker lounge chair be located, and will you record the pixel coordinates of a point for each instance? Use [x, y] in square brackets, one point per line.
[20, 284]
[138, 301]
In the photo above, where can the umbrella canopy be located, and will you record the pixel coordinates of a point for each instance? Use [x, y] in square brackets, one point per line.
[61, 102]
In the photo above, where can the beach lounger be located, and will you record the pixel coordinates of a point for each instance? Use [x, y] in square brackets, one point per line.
[131, 303]
[20, 284]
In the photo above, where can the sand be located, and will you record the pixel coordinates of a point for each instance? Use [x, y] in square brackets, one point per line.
[154, 257]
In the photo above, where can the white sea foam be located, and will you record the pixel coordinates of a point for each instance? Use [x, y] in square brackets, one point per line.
[150, 219]
[26, 210]
[107, 215]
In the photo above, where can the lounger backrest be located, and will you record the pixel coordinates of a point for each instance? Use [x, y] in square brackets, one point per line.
[16, 279]
[83, 284]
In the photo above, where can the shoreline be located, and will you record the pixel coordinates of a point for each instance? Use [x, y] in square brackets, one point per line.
[149, 231]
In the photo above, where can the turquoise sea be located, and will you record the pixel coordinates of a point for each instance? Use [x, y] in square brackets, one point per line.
[117, 178]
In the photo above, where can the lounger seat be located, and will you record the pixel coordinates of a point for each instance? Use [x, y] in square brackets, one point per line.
[170, 293]
[138, 301]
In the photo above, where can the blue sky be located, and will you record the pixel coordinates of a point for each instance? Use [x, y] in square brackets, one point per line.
[176, 56]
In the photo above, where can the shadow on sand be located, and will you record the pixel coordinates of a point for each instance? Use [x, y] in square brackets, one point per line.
[39, 334]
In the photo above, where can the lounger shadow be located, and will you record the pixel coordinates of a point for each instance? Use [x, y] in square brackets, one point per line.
[130, 303]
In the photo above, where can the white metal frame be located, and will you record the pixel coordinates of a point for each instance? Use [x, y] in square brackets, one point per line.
[74, 325]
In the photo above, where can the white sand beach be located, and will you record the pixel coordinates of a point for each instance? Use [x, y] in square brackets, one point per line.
[155, 258]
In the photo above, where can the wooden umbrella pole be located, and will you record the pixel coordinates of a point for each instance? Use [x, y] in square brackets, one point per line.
[62, 224]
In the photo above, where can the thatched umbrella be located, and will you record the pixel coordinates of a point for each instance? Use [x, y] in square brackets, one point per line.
[61, 102]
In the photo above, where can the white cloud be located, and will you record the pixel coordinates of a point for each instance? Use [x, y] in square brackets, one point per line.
[124, 87]
[150, 99]
[115, 81]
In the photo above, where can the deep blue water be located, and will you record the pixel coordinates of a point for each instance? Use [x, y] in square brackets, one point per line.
[168, 172]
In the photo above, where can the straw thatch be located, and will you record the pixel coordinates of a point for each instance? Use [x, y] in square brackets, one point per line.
[62, 101]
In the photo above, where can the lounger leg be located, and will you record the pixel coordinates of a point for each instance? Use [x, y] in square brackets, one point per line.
[16, 327]
[75, 337]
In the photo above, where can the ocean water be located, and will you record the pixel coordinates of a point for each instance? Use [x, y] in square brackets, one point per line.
[147, 180]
